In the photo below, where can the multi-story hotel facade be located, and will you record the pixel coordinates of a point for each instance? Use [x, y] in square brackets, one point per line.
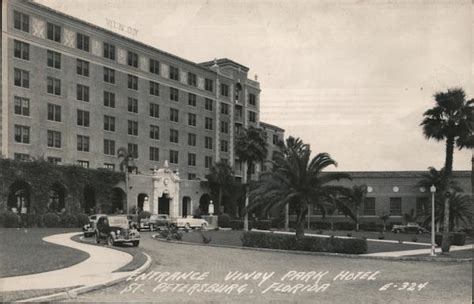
[75, 93]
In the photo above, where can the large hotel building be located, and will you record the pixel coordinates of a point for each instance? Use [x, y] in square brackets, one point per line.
[75, 93]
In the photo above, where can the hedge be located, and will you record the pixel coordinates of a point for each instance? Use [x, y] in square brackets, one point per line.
[51, 220]
[344, 226]
[10, 220]
[456, 238]
[314, 244]
[223, 220]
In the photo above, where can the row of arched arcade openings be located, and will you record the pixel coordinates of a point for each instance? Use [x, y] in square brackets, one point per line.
[186, 208]
[22, 200]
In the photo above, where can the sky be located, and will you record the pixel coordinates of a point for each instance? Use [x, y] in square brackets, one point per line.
[351, 78]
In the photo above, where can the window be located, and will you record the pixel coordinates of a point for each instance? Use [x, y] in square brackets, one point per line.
[192, 119]
[422, 206]
[132, 59]
[224, 127]
[192, 139]
[109, 99]
[174, 94]
[154, 66]
[83, 163]
[252, 100]
[191, 176]
[21, 156]
[192, 99]
[21, 50]
[224, 109]
[154, 132]
[174, 73]
[369, 206]
[54, 112]
[191, 159]
[132, 105]
[22, 134]
[21, 21]
[82, 42]
[82, 67]
[208, 142]
[83, 118]
[22, 106]
[22, 78]
[133, 127]
[154, 154]
[208, 123]
[82, 143]
[109, 166]
[109, 75]
[174, 115]
[224, 90]
[395, 206]
[192, 79]
[238, 129]
[154, 110]
[174, 157]
[109, 123]
[133, 150]
[154, 88]
[54, 32]
[208, 162]
[275, 139]
[82, 92]
[132, 82]
[208, 104]
[252, 116]
[208, 85]
[54, 160]
[53, 59]
[109, 51]
[109, 147]
[54, 86]
[224, 146]
[54, 139]
[174, 136]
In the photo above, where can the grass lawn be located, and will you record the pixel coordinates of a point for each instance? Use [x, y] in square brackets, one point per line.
[24, 252]
[233, 238]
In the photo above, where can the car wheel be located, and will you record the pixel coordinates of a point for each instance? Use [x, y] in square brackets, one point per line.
[110, 241]
[187, 226]
[97, 238]
[135, 243]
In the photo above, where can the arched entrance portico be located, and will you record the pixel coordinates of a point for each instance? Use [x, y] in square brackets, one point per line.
[57, 195]
[164, 204]
[118, 200]
[19, 197]
[204, 203]
[142, 202]
[166, 191]
[89, 205]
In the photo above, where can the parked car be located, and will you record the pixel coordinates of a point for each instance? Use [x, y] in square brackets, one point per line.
[158, 221]
[133, 221]
[116, 229]
[144, 224]
[190, 222]
[409, 228]
[89, 228]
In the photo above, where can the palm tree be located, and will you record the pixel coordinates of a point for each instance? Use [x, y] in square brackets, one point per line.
[220, 179]
[356, 197]
[460, 211]
[450, 121]
[250, 148]
[297, 180]
[126, 164]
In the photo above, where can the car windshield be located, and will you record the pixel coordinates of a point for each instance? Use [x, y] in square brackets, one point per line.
[118, 221]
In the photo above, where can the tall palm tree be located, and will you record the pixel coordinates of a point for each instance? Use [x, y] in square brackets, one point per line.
[220, 179]
[450, 120]
[356, 197]
[297, 180]
[250, 148]
[126, 164]
[460, 211]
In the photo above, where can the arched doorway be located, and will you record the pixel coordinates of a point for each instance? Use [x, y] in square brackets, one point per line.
[186, 206]
[19, 197]
[118, 200]
[204, 203]
[164, 204]
[57, 195]
[142, 200]
[89, 200]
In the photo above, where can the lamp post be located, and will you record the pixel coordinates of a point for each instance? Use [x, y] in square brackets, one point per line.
[433, 191]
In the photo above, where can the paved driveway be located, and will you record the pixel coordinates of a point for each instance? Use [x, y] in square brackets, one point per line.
[195, 274]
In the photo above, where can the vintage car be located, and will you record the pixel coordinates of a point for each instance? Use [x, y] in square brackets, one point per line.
[116, 229]
[190, 222]
[89, 228]
[133, 221]
[409, 228]
[158, 221]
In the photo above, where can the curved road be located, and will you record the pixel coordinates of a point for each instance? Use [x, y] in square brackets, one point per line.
[446, 282]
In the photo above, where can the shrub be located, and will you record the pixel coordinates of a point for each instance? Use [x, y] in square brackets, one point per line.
[381, 236]
[51, 220]
[320, 225]
[28, 220]
[278, 222]
[414, 239]
[223, 220]
[263, 224]
[67, 220]
[315, 244]
[459, 238]
[369, 226]
[439, 238]
[144, 214]
[344, 226]
[81, 220]
[10, 220]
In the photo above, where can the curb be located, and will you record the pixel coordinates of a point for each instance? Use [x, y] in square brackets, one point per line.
[73, 293]
[340, 255]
